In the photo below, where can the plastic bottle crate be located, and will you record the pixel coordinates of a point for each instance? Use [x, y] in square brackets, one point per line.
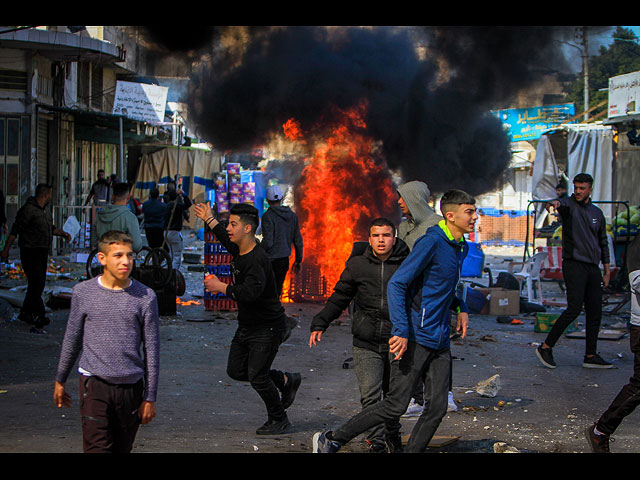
[220, 304]
[219, 270]
[214, 248]
[217, 259]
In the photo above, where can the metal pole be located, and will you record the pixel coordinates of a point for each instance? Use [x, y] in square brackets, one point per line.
[585, 61]
[122, 175]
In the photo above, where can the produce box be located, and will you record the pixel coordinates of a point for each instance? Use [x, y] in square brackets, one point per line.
[544, 322]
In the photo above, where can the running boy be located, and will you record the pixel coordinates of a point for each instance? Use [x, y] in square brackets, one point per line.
[112, 317]
[421, 295]
[261, 317]
[364, 281]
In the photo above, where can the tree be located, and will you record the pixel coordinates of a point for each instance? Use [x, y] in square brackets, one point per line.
[620, 57]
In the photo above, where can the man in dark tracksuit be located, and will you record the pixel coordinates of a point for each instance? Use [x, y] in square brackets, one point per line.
[364, 281]
[34, 228]
[584, 247]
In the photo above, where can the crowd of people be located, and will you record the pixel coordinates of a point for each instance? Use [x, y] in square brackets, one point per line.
[401, 289]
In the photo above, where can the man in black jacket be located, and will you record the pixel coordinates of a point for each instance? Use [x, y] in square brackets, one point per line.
[34, 228]
[261, 316]
[584, 247]
[364, 281]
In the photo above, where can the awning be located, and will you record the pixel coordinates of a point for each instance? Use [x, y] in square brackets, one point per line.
[104, 127]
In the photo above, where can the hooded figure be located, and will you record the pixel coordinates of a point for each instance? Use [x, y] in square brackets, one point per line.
[120, 218]
[280, 230]
[419, 215]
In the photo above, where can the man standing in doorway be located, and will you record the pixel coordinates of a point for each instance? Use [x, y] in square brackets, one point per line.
[35, 230]
[584, 247]
[100, 190]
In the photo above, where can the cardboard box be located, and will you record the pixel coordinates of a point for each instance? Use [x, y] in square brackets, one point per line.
[504, 302]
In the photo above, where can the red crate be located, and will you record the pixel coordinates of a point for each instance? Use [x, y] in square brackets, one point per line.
[220, 305]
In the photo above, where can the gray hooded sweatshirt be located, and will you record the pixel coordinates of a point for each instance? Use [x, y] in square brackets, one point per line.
[416, 196]
[120, 218]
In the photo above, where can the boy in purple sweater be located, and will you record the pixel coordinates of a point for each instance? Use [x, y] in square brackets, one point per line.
[113, 327]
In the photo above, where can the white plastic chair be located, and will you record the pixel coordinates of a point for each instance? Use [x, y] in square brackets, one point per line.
[530, 274]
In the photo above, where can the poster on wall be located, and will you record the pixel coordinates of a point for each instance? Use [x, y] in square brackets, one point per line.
[140, 101]
[623, 94]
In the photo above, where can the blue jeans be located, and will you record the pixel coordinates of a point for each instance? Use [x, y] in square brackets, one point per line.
[251, 354]
[373, 371]
[405, 373]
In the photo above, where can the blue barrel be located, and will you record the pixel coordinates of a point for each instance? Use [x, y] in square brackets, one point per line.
[474, 261]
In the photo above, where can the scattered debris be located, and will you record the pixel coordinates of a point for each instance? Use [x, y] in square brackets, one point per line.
[502, 447]
[489, 387]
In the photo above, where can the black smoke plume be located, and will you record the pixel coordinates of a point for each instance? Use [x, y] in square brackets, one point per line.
[429, 113]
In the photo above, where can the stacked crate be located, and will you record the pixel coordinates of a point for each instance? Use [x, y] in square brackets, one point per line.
[217, 261]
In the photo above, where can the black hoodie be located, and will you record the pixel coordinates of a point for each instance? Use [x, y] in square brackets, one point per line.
[364, 280]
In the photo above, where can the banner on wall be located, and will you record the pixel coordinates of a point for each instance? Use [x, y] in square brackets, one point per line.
[524, 124]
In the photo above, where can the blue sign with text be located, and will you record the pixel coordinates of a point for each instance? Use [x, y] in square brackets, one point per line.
[529, 123]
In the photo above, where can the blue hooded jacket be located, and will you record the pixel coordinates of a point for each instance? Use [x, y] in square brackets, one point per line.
[422, 292]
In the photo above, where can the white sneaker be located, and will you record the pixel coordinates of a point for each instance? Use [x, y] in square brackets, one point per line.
[414, 409]
[452, 407]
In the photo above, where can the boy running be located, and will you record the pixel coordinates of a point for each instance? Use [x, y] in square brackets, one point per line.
[261, 317]
[421, 296]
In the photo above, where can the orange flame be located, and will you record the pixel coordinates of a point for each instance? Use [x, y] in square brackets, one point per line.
[341, 190]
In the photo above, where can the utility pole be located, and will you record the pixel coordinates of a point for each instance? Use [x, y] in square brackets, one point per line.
[585, 69]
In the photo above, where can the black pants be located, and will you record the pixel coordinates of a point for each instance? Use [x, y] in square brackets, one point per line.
[109, 414]
[155, 236]
[34, 264]
[280, 268]
[251, 354]
[629, 396]
[584, 287]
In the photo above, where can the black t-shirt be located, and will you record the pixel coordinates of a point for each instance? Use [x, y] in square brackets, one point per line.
[254, 285]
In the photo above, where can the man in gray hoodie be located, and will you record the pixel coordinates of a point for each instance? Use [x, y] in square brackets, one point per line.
[419, 216]
[117, 216]
[280, 229]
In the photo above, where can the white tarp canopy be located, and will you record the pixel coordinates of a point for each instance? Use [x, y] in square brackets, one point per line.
[589, 150]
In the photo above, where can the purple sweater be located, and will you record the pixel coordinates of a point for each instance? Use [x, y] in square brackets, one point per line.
[109, 327]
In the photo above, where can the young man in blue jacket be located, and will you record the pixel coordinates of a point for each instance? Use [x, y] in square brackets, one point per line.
[421, 296]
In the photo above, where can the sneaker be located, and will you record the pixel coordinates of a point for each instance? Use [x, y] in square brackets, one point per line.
[290, 389]
[321, 444]
[596, 361]
[545, 355]
[599, 442]
[452, 407]
[414, 409]
[26, 317]
[378, 448]
[394, 443]
[40, 321]
[274, 427]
